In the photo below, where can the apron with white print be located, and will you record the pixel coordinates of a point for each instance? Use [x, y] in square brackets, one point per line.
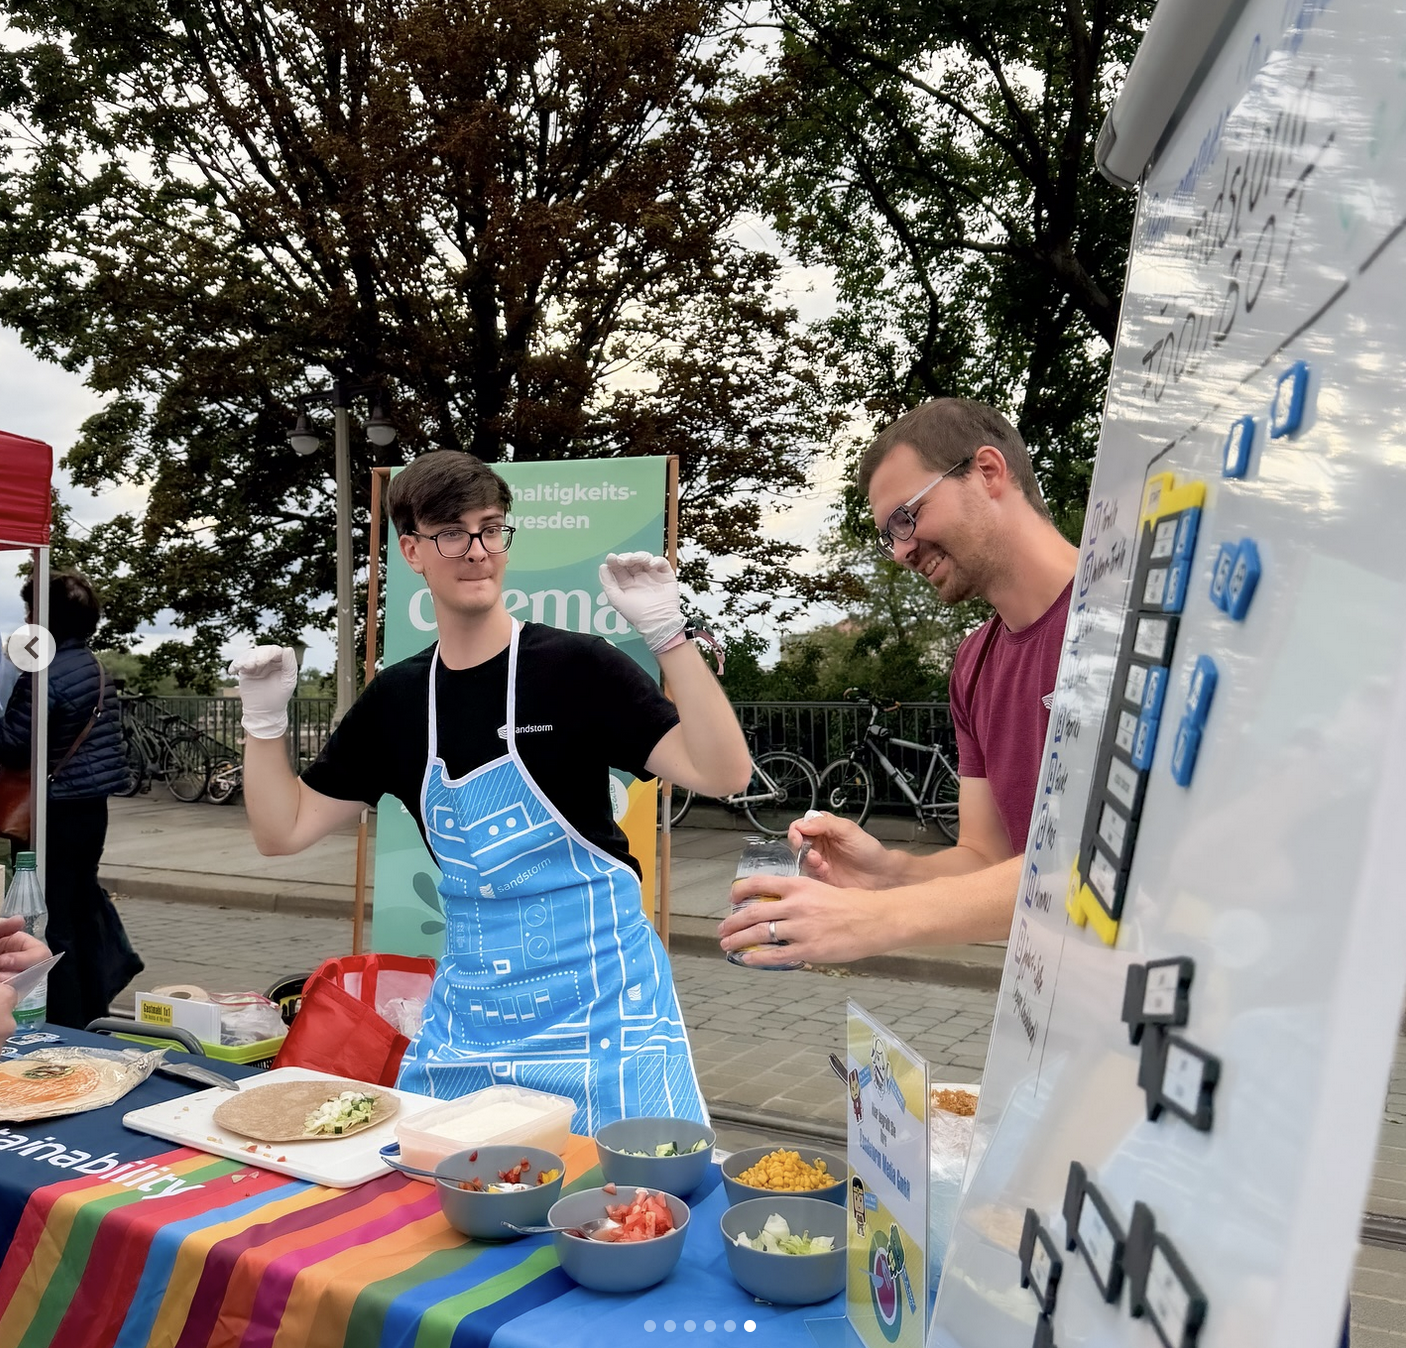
[552, 978]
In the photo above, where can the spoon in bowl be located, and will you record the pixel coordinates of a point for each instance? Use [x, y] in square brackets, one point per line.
[586, 1230]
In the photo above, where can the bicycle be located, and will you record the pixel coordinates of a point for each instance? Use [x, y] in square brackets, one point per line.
[783, 787]
[162, 753]
[847, 785]
[226, 781]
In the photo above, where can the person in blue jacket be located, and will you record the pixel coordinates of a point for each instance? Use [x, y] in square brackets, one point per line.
[98, 963]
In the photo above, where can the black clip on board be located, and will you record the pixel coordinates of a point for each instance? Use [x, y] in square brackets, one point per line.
[1173, 1073]
[1092, 1229]
[1157, 993]
[1040, 1269]
[1160, 1285]
[1179, 1077]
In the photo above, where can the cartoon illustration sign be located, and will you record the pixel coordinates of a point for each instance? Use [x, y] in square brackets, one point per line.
[888, 1154]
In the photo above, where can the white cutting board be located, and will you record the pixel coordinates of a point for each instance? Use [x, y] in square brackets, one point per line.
[340, 1163]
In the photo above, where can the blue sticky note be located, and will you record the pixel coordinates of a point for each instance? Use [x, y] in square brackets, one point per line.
[1174, 597]
[1184, 750]
[1220, 574]
[1144, 742]
[1235, 458]
[1244, 576]
[1289, 396]
[1154, 690]
[1203, 688]
[1187, 527]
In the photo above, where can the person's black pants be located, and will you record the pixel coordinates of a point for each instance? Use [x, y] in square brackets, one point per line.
[97, 962]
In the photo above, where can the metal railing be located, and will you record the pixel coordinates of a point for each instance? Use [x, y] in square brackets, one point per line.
[824, 731]
[819, 731]
[217, 720]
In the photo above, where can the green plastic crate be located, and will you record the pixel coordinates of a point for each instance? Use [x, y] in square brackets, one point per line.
[260, 1053]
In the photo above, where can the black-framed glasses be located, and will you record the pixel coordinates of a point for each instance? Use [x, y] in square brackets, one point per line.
[903, 520]
[457, 542]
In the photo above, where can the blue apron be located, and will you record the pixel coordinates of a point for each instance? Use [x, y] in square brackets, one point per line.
[551, 978]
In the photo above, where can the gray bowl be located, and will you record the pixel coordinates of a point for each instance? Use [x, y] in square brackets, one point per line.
[787, 1279]
[745, 1160]
[481, 1215]
[604, 1267]
[673, 1174]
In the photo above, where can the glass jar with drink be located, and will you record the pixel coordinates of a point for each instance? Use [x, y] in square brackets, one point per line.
[764, 856]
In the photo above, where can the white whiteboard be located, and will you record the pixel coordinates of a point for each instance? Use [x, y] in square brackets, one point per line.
[1267, 233]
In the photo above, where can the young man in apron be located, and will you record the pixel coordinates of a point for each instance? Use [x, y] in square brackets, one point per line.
[499, 739]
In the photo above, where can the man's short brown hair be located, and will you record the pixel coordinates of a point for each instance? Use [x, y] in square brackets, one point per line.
[943, 432]
[442, 485]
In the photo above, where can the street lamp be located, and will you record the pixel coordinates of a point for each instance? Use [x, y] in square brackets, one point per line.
[380, 430]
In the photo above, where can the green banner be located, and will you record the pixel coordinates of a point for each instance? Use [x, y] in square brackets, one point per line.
[568, 516]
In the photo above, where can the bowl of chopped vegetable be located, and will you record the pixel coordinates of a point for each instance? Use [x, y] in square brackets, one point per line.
[669, 1154]
[639, 1250]
[759, 1171]
[786, 1250]
[480, 1190]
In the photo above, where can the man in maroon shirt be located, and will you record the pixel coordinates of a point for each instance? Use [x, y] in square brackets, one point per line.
[955, 498]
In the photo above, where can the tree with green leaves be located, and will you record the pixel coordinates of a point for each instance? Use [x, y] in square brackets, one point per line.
[520, 218]
[938, 156]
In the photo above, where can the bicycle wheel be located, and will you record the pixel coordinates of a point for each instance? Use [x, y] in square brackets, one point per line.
[782, 789]
[134, 765]
[942, 809]
[226, 779]
[847, 789]
[185, 768]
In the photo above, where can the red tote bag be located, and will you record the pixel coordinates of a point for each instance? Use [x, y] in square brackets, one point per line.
[340, 1028]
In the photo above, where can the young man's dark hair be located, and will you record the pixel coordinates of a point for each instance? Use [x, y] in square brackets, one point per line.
[943, 432]
[73, 606]
[442, 485]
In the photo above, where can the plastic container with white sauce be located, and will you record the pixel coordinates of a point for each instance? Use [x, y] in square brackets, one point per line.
[497, 1115]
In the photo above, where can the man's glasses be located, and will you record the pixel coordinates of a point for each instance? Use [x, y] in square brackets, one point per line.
[904, 519]
[457, 542]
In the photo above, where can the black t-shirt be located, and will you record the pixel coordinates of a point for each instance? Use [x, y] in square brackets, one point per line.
[582, 708]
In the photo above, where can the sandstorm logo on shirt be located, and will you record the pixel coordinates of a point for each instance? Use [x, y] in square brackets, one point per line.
[1048, 700]
[525, 730]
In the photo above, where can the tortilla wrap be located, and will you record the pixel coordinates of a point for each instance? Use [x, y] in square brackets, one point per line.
[278, 1112]
[53, 1082]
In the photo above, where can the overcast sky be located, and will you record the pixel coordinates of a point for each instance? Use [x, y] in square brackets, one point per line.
[45, 402]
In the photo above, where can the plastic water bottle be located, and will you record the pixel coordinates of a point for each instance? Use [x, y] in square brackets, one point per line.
[25, 899]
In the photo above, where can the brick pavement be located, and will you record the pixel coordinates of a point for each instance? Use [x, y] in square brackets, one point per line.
[760, 1040]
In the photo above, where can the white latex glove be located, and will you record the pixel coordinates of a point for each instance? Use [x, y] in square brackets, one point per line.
[268, 677]
[645, 592]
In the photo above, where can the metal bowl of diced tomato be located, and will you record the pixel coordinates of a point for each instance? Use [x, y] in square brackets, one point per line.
[640, 1250]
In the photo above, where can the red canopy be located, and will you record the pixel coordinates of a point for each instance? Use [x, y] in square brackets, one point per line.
[25, 510]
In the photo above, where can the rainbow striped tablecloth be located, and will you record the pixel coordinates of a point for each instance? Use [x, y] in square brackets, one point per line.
[213, 1254]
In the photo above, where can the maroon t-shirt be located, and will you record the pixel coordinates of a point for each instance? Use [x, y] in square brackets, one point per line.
[1001, 690]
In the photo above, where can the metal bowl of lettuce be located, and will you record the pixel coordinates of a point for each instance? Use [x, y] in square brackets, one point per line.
[789, 1251]
[668, 1154]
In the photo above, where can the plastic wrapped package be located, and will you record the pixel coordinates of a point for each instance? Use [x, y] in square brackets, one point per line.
[949, 1141]
[247, 1018]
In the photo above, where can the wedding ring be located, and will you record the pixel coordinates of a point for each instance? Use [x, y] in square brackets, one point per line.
[771, 931]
